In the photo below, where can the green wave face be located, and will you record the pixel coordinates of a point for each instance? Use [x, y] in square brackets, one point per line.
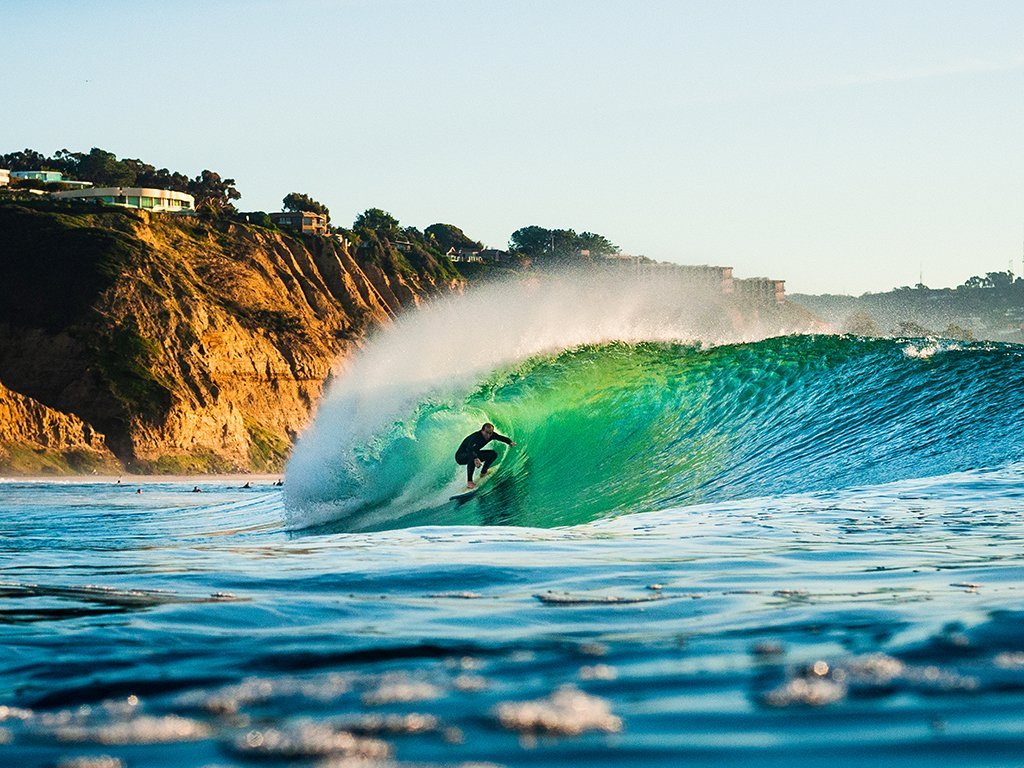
[625, 428]
[600, 430]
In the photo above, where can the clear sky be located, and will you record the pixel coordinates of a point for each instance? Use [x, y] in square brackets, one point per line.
[841, 146]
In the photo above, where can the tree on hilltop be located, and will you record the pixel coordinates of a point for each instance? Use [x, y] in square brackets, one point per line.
[564, 244]
[532, 241]
[298, 202]
[379, 221]
[147, 175]
[448, 236]
[214, 194]
[559, 244]
[598, 245]
[997, 280]
[103, 169]
[26, 160]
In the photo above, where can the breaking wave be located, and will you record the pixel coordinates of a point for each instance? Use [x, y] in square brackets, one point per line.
[613, 414]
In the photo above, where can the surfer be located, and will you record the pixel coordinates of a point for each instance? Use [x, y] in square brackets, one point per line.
[472, 456]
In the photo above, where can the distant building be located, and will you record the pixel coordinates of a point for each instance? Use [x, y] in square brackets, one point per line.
[5, 177]
[305, 222]
[50, 177]
[719, 278]
[143, 198]
[716, 279]
[474, 255]
[464, 255]
[762, 289]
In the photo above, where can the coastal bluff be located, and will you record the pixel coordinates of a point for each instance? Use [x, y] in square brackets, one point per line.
[35, 438]
[152, 343]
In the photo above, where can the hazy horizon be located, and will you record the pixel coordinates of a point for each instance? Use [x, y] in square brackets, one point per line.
[841, 147]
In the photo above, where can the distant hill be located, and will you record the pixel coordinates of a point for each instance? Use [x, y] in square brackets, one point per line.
[990, 307]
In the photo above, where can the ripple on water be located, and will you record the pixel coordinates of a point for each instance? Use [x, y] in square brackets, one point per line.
[566, 712]
[523, 647]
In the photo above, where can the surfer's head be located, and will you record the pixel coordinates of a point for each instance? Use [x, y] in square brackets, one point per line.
[487, 429]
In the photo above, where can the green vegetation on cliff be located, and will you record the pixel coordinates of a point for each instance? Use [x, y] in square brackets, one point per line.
[381, 239]
[56, 262]
[194, 344]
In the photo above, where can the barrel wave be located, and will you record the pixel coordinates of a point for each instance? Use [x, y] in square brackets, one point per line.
[616, 428]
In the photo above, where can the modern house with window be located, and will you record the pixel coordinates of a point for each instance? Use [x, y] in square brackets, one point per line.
[306, 222]
[143, 198]
[50, 177]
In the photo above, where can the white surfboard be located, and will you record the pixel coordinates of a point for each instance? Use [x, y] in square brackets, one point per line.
[469, 492]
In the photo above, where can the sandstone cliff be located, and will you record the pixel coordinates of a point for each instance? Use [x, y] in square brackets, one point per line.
[35, 439]
[193, 345]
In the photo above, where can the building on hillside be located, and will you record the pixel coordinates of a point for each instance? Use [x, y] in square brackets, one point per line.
[762, 289]
[711, 278]
[143, 198]
[717, 278]
[5, 177]
[304, 222]
[50, 177]
[474, 255]
[465, 255]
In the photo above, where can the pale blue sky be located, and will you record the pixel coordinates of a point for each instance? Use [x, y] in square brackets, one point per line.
[841, 146]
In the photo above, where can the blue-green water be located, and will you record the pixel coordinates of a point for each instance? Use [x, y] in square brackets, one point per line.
[776, 553]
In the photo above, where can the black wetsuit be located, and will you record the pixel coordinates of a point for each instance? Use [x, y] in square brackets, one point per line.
[471, 450]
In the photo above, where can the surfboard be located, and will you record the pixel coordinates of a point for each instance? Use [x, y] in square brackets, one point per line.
[470, 492]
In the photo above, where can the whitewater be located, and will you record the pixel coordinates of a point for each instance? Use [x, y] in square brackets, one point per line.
[714, 543]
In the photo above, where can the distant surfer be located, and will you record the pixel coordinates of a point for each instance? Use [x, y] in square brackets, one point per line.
[471, 454]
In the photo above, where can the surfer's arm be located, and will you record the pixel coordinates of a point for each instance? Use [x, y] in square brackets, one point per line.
[502, 439]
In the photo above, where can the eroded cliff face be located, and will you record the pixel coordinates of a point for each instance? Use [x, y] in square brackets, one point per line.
[35, 439]
[193, 345]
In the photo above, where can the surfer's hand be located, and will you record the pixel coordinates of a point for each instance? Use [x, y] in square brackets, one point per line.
[478, 462]
[513, 442]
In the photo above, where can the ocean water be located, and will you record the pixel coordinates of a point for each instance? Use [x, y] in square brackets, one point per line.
[772, 552]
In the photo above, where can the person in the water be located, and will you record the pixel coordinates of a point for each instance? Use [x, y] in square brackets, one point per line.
[471, 454]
